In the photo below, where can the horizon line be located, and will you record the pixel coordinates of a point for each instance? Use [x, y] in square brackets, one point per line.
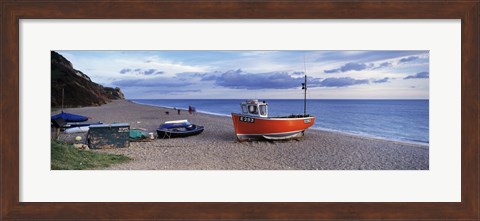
[276, 99]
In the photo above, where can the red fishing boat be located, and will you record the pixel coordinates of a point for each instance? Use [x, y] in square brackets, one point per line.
[254, 123]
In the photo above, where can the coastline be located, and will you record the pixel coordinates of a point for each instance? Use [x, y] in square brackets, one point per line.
[217, 149]
[366, 136]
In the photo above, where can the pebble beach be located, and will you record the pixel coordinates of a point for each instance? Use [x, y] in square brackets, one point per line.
[218, 149]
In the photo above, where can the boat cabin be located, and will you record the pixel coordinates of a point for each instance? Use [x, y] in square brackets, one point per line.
[254, 108]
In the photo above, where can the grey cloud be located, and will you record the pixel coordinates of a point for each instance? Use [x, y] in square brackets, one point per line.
[349, 67]
[190, 75]
[409, 59]
[209, 77]
[341, 82]
[358, 67]
[384, 80]
[125, 70]
[240, 80]
[277, 80]
[298, 73]
[383, 65]
[149, 71]
[420, 75]
[140, 71]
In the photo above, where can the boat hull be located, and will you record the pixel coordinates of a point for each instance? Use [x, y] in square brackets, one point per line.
[81, 124]
[272, 128]
[77, 129]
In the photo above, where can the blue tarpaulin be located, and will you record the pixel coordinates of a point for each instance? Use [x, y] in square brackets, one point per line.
[70, 117]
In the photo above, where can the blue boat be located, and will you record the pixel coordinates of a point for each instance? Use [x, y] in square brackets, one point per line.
[180, 128]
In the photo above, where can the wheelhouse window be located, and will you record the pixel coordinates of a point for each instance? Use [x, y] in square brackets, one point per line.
[252, 109]
[244, 109]
[263, 110]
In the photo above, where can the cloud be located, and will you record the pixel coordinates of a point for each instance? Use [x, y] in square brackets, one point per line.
[140, 71]
[409, 59]
[125, 70]
[241, 80]
[237, 79]
[424, 74]
[149, 71]
[348, 67]
[209, 77]
[358, 67]
[363, 56]
[154, 82]
[341, 82]
[368, 66]
[298, 73]
[384, 80]
[383, 65]
[190, 75]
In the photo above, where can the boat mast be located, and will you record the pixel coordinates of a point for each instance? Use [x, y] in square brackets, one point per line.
[63, 95]
[304, 87]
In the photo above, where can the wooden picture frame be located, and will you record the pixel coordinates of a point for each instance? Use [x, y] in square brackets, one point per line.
[12, 11]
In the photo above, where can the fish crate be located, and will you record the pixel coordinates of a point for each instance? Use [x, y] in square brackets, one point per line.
[107, 136]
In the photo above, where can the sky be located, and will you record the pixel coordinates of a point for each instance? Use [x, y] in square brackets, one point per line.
[258, 74]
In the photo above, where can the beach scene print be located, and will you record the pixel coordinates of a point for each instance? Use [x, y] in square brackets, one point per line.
[240, 110]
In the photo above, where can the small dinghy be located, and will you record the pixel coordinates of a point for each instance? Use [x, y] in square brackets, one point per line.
[77, 129]
[81, 124]
[179, 128]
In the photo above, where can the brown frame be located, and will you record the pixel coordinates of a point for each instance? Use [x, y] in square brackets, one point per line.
[11, 11]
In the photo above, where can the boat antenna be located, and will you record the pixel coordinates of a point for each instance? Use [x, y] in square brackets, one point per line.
[304, 87]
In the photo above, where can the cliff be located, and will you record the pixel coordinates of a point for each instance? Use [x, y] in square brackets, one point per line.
[79, 89]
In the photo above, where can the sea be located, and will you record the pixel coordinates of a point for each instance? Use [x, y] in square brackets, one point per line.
[397, 120]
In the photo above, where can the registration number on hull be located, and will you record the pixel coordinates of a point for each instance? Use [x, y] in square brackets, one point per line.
[247, 119]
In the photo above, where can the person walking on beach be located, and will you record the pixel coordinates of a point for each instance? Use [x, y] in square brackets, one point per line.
[190, 109]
